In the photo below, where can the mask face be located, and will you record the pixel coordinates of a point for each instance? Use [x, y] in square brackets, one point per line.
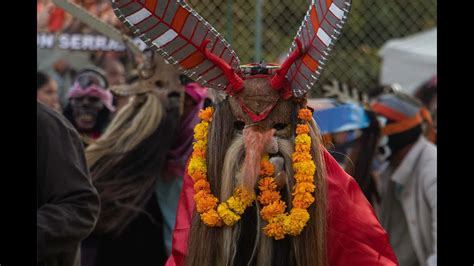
[86, 110]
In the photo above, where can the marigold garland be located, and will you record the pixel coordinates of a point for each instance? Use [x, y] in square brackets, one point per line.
[211, 211]
[280, 223]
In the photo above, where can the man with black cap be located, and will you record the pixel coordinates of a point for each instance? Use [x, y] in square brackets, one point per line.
[409, 179]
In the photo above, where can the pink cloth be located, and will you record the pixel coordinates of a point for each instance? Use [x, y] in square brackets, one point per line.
[93, 91]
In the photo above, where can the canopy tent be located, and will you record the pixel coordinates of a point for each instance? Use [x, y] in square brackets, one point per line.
[409, 61]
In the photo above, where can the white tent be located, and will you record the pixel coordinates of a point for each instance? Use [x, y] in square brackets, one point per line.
[409, 61]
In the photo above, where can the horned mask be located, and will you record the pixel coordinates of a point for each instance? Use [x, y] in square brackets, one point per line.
[258, 93]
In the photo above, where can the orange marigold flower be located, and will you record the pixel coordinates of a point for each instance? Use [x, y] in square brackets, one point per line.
[199, 153]
[274, 230]
[202, 185]
[211, 218]
[206, 114]
[302, 200]
[198, 175]
[267, 183]
[305, 114]
[304, 187]
[302, 129]
[273, 209]
[301, 157]
[247, 197]
[266, 168]
[205, 201]
[303, 178]
[303, 148]
[268, 196]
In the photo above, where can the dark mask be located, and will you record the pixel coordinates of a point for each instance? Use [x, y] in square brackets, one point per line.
[85, 111]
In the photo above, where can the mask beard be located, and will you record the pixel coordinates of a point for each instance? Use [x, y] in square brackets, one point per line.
[242, 160]
[255, 141]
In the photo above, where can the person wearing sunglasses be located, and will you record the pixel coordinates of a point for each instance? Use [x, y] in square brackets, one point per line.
[90, 104]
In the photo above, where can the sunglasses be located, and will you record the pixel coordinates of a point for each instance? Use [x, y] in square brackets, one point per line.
[90, 77]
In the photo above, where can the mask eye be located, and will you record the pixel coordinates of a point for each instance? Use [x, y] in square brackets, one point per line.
[159, 84]
[279, 126]
[239, 125]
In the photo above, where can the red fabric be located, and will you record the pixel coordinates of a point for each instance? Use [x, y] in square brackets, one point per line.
[56, 19]
[355, 236]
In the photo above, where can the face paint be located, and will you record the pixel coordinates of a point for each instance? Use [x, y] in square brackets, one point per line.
[86, 110]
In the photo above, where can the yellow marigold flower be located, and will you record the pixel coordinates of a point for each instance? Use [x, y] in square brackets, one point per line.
[236, 205]
[211, 218]
[302, 129]
[303, 139]
[301, 157]
[302, 200]
[267, 183]
[305, 114]
[206, 114]
[273, 209]
[274, 230]
[294, 223]
[306, 167]
[200, 144]
[303, 187]
[205, 201]
[200, 131]
[202, 185]
[197, 165]
[228, 216]
[268, 196]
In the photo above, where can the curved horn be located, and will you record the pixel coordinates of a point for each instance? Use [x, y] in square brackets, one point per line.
[236, 82]
[318, 33]
[177, 33]
[280, 76]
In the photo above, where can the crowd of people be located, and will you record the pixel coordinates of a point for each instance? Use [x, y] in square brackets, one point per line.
[154, 167]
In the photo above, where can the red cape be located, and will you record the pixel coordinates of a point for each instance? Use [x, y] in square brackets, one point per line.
[355, 237]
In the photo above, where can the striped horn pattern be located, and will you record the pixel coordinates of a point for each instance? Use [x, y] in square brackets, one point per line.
[177, 33]
[318, 33]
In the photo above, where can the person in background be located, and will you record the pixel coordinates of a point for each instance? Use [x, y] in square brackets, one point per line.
[90, 104]
[408, 179]
[47, 91]
[62, 72]
[351, 134]
[428, 95]
[114, 72]
[143, 152]
[67, 202]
